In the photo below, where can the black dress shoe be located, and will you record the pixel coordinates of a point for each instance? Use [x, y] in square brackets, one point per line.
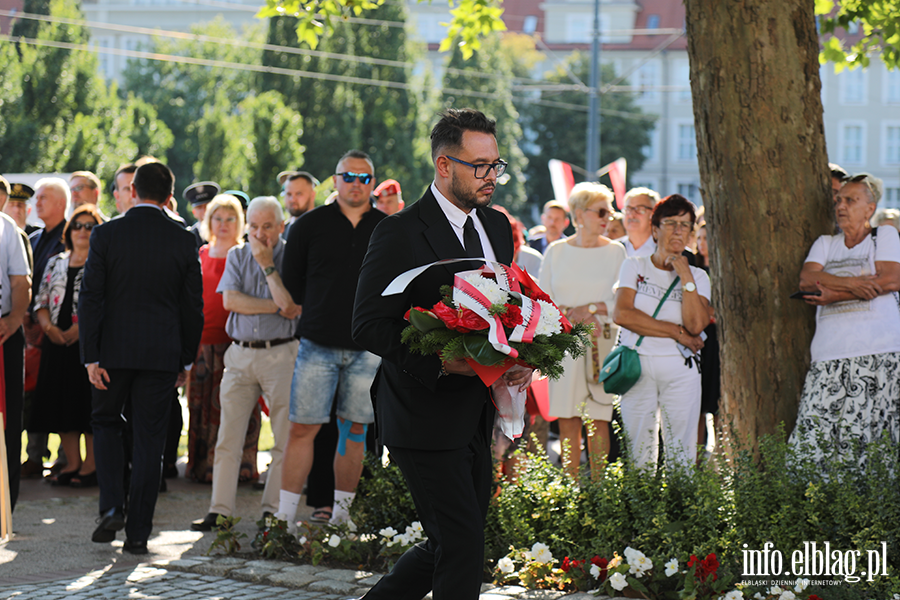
[207, 523]
[135, 547]
[108, 524]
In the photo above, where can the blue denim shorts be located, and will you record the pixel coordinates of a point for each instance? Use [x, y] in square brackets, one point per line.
[322, 375]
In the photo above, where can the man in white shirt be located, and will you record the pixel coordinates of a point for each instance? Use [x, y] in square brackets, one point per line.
[639, 204]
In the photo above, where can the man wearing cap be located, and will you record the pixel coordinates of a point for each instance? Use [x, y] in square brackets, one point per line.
[199, 195]
[15, 296]
[17, 207]
[388, 198]
[555, 219]
[299, 193]
[324, 252]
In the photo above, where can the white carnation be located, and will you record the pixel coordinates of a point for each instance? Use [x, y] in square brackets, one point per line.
[490, 288]
[548, 324]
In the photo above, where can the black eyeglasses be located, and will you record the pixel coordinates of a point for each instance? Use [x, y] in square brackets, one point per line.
[88, 226]
[482, 170]
[364, 178]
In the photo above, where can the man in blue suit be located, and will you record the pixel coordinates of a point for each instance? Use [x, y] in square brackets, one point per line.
[140, 318]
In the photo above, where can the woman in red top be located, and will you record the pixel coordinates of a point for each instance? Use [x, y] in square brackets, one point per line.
[223, 226]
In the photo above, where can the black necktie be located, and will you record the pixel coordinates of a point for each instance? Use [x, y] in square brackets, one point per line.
[472, 242]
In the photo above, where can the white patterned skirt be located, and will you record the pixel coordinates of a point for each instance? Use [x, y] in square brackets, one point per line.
[849, 401]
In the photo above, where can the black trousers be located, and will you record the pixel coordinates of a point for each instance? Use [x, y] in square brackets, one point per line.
[14, 374]
[451, 490]
[151, 402]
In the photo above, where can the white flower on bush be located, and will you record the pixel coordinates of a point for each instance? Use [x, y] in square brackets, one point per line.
[334, 541]
[671, 567]
[388, 532]
[490, 288]
[417, 527]
[541, 553]
[787, 595]
[548, 324]
[775, 590]
[302, 540]
[734, 595]
[758, 596]
[640, 565]
[618, 582]
[802, 584]
[506, 565]
[595, 571]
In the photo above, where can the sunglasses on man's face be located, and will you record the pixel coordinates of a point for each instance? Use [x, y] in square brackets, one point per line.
[364, 178]
[86, 226]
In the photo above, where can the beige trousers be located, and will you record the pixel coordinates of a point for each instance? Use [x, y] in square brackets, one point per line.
[250, 372]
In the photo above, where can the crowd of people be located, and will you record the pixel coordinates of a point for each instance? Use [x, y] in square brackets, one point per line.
[251, 312]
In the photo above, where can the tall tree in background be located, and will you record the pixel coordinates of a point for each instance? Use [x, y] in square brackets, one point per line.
[58, 115]
[559, 132]
[339, 115]
[761, 146]
[246, 146]
[489, 73]
[183, 93]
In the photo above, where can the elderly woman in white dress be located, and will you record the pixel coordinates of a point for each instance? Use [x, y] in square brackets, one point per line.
[852, 388]
[579, 274]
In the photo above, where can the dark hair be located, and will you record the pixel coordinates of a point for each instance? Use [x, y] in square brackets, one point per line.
[838, 172]
[88, 209]
[154, 181]
[448, 131]
[355, 154]
[126, 168]
[307, 176]
[672, 206]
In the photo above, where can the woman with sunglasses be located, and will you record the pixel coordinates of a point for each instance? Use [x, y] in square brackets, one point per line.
[579, 273]
[850, 396]
[667, 395]
[62, 398]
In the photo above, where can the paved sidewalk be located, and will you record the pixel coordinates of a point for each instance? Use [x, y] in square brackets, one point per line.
[51, 556]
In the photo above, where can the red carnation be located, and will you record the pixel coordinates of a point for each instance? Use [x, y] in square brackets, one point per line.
[512, 317]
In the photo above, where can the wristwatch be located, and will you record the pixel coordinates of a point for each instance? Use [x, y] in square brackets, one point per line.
[592, 308]
[269, 270]
[690, 287]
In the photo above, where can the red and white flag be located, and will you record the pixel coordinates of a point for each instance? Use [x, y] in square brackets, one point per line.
[616, 171]
[562, 180]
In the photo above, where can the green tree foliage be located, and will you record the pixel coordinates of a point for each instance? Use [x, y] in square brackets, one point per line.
[245, 147]
[470, 20]
[57, 113]
[493, 96]
[183, 93]
[879, 23]
[560, 132]
[339, 115]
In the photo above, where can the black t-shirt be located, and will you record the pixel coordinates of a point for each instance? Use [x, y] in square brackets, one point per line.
[322, 258]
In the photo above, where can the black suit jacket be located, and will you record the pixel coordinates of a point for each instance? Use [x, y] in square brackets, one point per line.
[414, 406]
[141, 300]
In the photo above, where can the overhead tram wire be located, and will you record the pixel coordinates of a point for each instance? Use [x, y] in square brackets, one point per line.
[181, 35]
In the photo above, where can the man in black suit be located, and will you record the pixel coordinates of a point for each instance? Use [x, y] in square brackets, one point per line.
[140, 317]
[436, 417]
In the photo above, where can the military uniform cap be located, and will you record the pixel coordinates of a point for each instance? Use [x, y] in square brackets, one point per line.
[243, 198]
[285, 175]
[19, 192]
[201, 193]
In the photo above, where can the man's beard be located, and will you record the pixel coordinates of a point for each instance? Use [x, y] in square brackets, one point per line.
[297, 212]
[469, 199]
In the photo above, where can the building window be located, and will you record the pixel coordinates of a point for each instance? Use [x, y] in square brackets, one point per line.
[690, 191]
[687, 142]
[429, 28]
[683, 81]
[891, 86]
[891, 197]
[853, 86]
[651, 150]
[580, 28]
[853, 28]
[530, 24]
[891, 144]
[653, 22]
[648, 81]
[853, 141]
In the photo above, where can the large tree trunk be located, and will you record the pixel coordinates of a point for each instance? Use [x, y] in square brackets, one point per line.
[763, 167]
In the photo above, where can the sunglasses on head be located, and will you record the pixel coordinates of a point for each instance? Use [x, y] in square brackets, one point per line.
[87, 226]
[364, 178]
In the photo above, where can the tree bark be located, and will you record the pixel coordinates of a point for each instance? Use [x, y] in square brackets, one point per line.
[765, 183]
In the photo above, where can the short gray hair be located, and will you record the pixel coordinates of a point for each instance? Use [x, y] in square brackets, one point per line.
[873, 185]
[641, 191]
[267, 203]
[58, 184]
